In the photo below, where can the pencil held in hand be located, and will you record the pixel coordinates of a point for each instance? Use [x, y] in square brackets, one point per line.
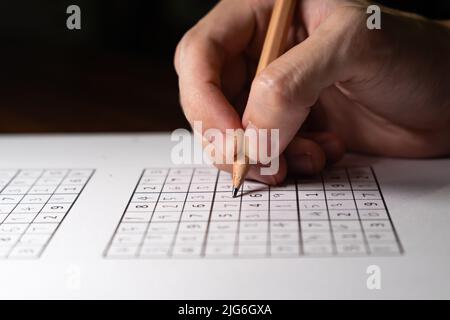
[241, 161]
[274, 43]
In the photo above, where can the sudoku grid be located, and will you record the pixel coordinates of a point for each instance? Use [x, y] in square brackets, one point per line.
[190, 213]
[33, 203]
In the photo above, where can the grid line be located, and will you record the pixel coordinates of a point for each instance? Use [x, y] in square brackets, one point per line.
[310, 217]
[31, 203]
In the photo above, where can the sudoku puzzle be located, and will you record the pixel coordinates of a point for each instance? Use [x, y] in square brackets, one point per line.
[33, 203]
[190, 213]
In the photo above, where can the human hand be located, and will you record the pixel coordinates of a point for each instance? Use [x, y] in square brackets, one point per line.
[382, 92]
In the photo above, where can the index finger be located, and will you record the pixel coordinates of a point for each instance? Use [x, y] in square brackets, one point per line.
[200, 57]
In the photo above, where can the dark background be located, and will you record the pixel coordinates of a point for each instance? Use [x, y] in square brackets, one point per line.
[115, 74]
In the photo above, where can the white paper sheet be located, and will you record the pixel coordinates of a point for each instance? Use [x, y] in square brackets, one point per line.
[283, 245]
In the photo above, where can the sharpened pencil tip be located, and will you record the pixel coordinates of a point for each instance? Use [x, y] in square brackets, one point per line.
[235, 192]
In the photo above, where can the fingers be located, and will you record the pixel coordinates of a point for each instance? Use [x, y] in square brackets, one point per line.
[305, 156]
[254, 172]
[201, 57]
[310, 155]
[281, 95]
[218, 158]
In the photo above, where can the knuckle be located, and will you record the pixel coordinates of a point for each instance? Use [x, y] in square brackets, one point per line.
[353, 34]
[189, 43]
[188, 39]
[353, 20]
[274, 85]
[190, 35]
[176, 58]
[352, 13]
[182, 45]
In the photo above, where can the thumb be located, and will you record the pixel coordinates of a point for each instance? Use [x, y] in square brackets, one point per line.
[282, 94]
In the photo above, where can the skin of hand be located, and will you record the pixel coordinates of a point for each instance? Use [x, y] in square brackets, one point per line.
[338, 86]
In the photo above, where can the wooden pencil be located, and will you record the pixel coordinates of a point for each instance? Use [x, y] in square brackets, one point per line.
[274, 44]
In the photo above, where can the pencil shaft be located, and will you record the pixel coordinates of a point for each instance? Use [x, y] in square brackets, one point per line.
[274, 46]
[275, 41]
